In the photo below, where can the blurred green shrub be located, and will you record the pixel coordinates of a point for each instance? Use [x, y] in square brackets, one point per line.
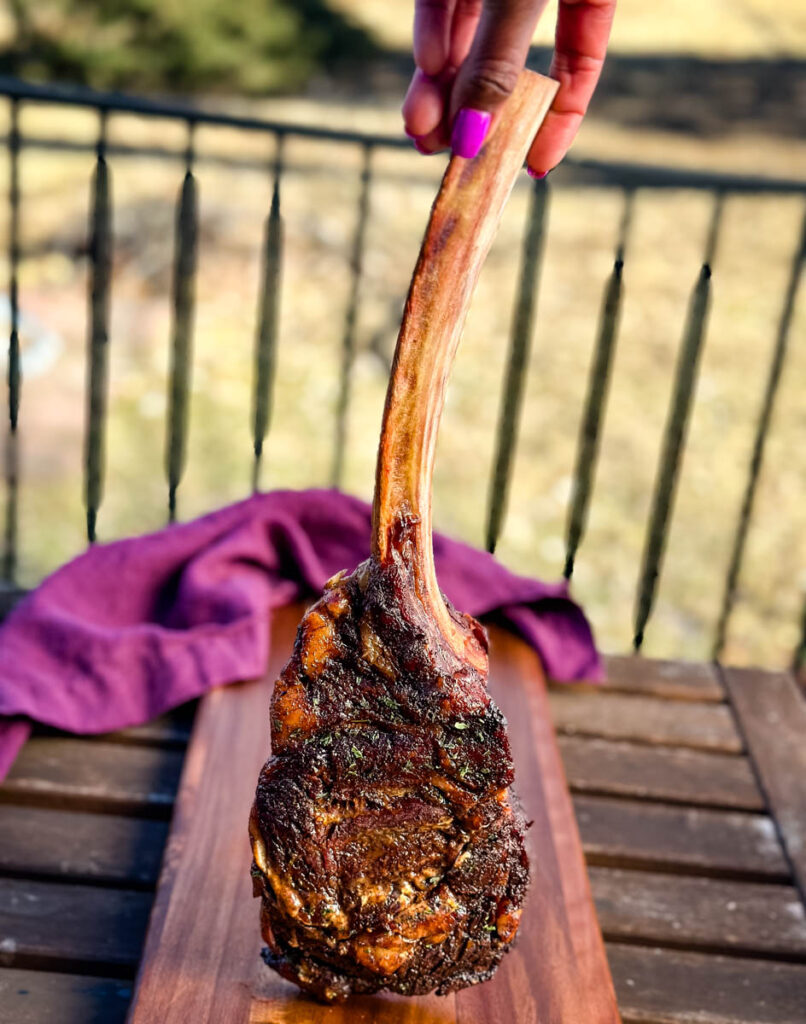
[255, 46]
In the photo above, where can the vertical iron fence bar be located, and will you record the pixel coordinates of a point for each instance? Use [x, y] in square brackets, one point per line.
[351, 318]
[762, 429]
[184, 295]
[799, 659]
[268, 315]
[100, 252]
[520, 347]
[596, 399]
[675, 432]
[14, 369]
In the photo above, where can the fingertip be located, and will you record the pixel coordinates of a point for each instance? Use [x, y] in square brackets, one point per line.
[552, 142]
[429, 145]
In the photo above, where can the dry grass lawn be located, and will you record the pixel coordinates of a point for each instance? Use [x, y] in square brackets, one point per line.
[720, 28]
[755, 250]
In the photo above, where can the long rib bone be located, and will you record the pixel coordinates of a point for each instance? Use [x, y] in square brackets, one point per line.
[387, 850]
[463, 223]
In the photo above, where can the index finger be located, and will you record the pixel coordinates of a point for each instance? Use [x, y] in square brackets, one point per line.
[432, 29]
[583, 30]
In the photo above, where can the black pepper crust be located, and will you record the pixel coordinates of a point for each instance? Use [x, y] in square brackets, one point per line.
[388, 850]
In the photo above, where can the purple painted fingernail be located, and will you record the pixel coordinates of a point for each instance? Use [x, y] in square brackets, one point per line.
[469, 132]
[537, 175]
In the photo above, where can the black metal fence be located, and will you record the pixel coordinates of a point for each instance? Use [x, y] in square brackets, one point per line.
[627, 177]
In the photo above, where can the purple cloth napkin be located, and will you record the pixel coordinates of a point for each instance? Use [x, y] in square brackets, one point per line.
[130, 629]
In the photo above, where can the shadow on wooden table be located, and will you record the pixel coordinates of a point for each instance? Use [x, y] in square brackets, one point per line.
[275, 1001]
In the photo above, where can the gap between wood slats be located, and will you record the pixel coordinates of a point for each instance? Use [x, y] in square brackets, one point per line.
[165, 735]
[101, 805]
[612, 687]
[679, 869]
[80, 878]
[683, 945]
[660, 801]
[162, 735]
[68, 799]
[38, 964]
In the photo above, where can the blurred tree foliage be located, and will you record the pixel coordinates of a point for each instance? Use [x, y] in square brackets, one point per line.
[244, 45]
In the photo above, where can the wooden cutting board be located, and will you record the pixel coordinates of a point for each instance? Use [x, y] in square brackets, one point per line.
[201, 961]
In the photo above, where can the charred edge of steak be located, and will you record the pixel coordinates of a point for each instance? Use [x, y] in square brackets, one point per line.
[387, 852]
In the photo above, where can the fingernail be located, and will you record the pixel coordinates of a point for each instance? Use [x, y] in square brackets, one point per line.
[537, 175]
[469, 132]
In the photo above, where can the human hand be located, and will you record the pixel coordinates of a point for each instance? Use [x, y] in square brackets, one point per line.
[469, 54]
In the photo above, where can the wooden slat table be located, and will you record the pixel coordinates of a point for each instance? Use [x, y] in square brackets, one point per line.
[201, 960]
[688, 789]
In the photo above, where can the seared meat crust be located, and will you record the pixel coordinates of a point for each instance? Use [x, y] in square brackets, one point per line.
[388, 852]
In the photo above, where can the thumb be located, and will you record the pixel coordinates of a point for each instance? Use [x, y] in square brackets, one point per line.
[491, 69]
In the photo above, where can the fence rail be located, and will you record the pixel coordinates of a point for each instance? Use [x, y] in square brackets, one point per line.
[627, 177]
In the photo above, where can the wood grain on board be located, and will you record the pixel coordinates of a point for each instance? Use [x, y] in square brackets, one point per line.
[673, 774]
[201, 956]
[701, 726]
[93, 775]
[71, 927]
[772, 714]
[662, 986]
[97, 848]
[637, 834]
[700, 913]
[674, 680]
[37, 997]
